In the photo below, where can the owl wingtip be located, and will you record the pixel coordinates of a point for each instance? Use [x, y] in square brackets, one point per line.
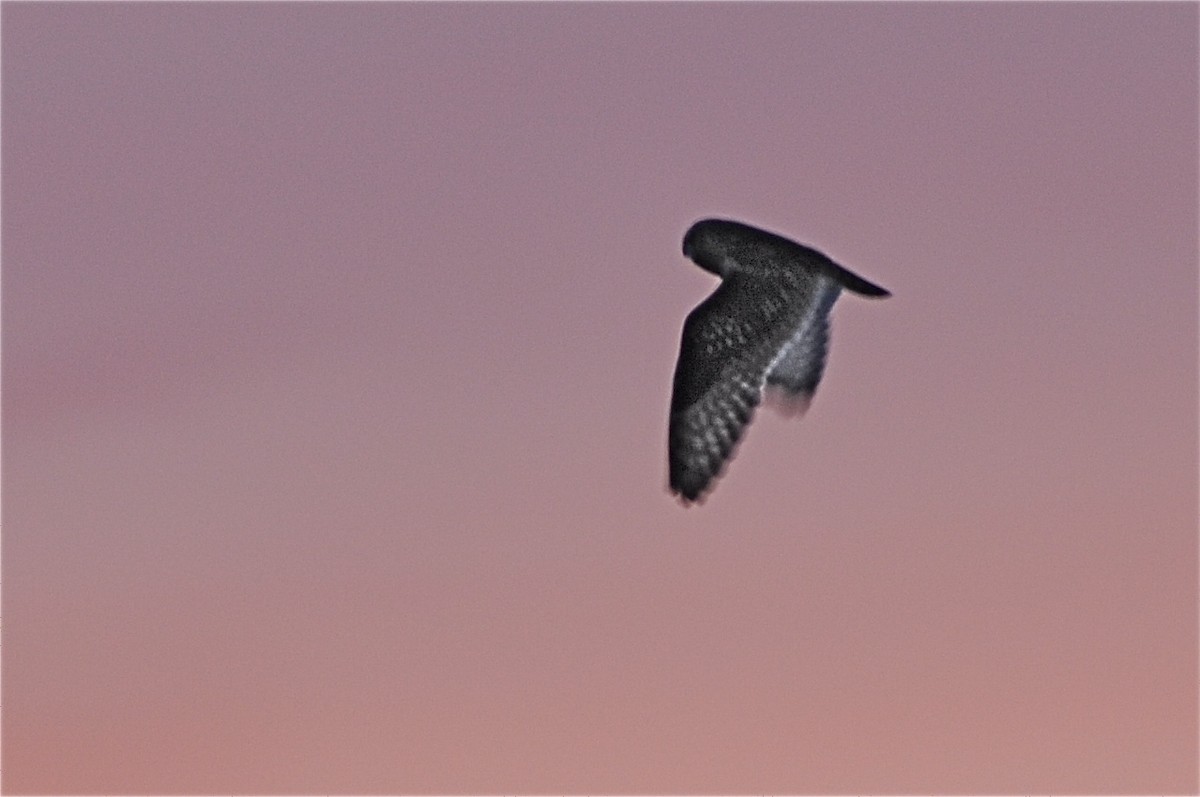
[689, 490]
[687, 501]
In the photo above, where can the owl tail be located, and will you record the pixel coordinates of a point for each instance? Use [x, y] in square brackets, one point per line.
[852, 282]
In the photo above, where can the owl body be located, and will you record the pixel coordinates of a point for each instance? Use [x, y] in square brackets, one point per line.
[766, 325]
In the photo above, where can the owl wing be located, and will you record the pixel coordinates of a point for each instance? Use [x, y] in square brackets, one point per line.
[797, 370]
[729, 343]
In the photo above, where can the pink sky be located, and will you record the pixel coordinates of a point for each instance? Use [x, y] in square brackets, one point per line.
[337, 348]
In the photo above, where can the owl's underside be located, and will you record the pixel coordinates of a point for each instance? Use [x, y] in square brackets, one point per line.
[765, 326]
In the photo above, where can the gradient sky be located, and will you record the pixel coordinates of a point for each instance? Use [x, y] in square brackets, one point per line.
[337, 347]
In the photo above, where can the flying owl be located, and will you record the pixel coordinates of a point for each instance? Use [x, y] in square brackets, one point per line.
[766, 326]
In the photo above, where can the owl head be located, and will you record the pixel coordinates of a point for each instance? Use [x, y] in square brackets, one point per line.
[706, 244]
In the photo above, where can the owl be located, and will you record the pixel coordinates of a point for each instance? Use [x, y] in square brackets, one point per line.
[765, 327]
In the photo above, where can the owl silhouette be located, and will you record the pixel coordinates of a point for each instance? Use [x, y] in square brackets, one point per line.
[764, 329]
